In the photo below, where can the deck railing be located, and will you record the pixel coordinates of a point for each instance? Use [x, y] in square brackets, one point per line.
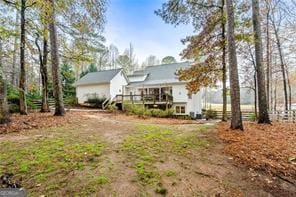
[144, 98]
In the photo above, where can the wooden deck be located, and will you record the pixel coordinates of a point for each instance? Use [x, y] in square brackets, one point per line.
[146, 99]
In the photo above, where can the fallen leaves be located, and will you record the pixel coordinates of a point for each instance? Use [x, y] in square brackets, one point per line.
[266, 147]
[37, 120]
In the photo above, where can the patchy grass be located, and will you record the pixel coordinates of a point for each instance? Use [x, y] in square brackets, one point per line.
[150, 144]
[48, 161]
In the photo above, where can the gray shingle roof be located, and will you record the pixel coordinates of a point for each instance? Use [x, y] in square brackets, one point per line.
[162, 74]
[99, 77]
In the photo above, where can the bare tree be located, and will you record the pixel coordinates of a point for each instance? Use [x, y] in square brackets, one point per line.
[236, 119]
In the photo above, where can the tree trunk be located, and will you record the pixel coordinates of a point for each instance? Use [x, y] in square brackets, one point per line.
[255, 95]
[57, 85]
[22, 84]
[262, 101]
[14, 57]
[268, 58]
[278, 43]
[275, 96]
[43, 72]
[224, 77]
[236, 119]
[4, 114]
[290, 88]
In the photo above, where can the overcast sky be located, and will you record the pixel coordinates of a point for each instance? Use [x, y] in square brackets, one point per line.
[134, 21]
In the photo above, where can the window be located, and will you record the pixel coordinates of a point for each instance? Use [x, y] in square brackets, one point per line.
[180, 109]
[189, 96]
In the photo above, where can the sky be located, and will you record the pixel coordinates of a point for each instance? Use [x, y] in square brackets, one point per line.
[134, 21]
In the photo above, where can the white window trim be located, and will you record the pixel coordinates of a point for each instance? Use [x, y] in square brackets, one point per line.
[180, 109]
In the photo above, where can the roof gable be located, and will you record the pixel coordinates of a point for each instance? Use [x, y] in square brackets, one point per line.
[99, 77]
[160, 74]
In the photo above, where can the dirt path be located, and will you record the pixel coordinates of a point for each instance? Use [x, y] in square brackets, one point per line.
[168, 162]
[207, 172]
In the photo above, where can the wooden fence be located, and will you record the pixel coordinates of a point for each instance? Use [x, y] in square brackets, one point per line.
[246, 115]
[283, 116]
[280, 115]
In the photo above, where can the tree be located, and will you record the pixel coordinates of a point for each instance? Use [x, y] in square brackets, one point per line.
[58, 94]
[168, 60]
[262, 101]
[113, 55]
[43, 69]
[236, 117]
[124, 62]
[24, 4]
[68, 79]
[207, 17]
[280, 52]
[91, 68]
[151, 61]
[4, 114]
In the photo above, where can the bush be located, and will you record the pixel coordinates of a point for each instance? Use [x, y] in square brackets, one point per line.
[210, 114]
[162, 113]
[142, 111]
[95, 101]
[70, 100]
[14, 108]
[13, 99]
[112, 107]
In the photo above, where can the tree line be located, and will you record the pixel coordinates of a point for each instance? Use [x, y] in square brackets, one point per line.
[253, 37]
[37, 37]
[233, 36]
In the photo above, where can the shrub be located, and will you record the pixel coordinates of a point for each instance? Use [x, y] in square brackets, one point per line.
[95, 101]
[13, 99]
[211, 114]
[162, 113]
[71, 100]
[14, 108]
[112, 107]
[142, 111]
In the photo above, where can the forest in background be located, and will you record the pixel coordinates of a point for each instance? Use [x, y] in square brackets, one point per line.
[32, 29]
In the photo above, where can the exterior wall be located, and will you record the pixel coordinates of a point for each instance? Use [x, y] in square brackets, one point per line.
[181, 98]
[117, 85]
[195, 103]
[137, 78]
[180, 93]
[102, 90]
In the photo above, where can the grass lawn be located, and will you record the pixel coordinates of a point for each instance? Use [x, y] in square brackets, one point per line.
[100, 154]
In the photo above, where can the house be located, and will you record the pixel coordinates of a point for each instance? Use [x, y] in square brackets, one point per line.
[155, 87]
[105, 84]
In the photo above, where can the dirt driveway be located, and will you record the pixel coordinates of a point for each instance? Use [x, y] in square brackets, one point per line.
[113, 155]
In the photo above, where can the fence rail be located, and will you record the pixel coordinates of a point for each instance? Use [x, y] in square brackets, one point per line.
[280, 115]
[283, 116]
[246, 115]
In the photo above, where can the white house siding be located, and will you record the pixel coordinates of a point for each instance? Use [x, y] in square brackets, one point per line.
[180, 93]
[117, 85]
[181, 98]
[194, 104]
[137, 78]
[102, 90]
